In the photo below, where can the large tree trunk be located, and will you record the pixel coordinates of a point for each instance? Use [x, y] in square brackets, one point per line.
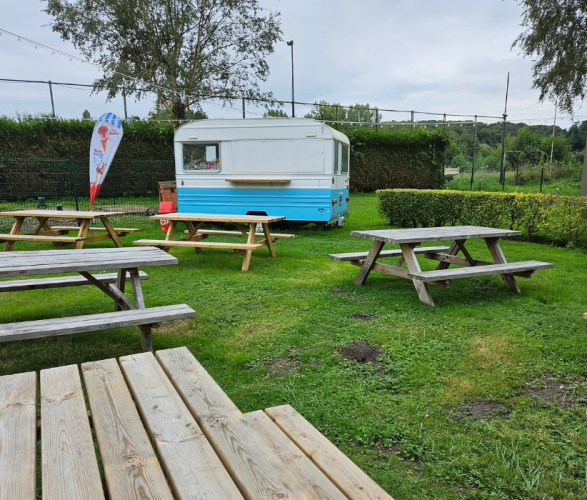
[584, 181]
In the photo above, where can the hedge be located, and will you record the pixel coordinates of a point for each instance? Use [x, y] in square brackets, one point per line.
[381, 160]
[564, 218]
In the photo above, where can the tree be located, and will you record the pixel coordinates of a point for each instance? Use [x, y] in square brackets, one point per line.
[277, 113]
[86, 115]
[181, 50]
[335, 112]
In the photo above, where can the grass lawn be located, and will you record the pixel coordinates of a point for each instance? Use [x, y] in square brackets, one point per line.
[447, 412]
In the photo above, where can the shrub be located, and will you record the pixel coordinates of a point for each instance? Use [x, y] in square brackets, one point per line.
[563, 217]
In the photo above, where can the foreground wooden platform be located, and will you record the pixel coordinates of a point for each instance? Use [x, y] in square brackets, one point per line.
[164, 429]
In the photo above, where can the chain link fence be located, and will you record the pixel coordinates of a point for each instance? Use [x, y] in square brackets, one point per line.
[130, 187]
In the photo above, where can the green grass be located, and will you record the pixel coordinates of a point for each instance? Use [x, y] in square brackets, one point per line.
[489, 181]
[480, 343]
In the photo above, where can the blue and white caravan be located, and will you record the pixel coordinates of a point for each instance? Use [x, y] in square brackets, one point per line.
[292, 167]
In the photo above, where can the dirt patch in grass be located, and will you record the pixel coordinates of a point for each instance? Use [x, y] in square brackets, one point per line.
[385, 451]
[479, 409]
[170, 326]
[550, 390]
[346, 295]
[361, 352]
[283, 365]
[363, 317]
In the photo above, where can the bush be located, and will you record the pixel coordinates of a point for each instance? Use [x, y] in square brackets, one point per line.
[563, 217]
[381, 160]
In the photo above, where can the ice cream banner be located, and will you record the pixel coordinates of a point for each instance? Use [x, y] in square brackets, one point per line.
[105, 140]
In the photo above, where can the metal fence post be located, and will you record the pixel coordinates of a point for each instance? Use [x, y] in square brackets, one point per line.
[412, 125]
[376, 120]
[474, 152]
[52, 103]
[74, 184]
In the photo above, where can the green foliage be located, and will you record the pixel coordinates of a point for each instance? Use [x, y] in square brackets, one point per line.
[37, 138]
[360, 113]
[381, 160]
[277, 113]
[564, 218]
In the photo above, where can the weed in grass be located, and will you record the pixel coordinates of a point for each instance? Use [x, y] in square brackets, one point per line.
[283, 365]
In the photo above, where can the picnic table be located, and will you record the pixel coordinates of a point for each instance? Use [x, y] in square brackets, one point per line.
[126, 313]
[409, 239]
[203, 447]
[58, 234]
[195, 234]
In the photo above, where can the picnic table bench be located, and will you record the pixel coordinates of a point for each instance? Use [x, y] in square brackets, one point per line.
[409, 241]
[164, 429]
[126, 313]
[58, 234]
[195, 234]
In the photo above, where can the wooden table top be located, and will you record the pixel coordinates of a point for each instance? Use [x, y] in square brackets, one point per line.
[417, 235]
[244, 219]
[66, 214]
[200, 446]
[13, 264]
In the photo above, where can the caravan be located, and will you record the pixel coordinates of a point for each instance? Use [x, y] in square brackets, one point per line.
[292, 167]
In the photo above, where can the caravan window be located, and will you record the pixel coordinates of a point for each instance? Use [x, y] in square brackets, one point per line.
[345, 159]
[201, 157]
[336, 156]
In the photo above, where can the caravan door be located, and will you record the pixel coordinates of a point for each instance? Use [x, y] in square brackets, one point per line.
[340, 186]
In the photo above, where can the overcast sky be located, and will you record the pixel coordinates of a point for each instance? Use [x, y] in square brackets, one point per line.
[448, 57]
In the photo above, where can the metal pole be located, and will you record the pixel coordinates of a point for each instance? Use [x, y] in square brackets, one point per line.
[293, 109]
[376, 120]
[502, 170]
[518, 169]
[553, 129]
[474, 151]
[124, 99]
[244, 108]
[74, 185]
[541, 179]
[412, 125]
[52, 103]
[337, 112]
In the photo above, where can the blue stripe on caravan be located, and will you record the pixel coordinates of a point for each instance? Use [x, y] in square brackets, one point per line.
[294, 204]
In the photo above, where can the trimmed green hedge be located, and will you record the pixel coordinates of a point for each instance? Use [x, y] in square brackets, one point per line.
[61, 139]
[381, 160]
[564, 218]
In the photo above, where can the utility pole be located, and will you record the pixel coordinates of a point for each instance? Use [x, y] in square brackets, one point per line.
[502, 169]
[124, 99]
[293, 109]
[244, 108]
[52, 103]
[553, 130]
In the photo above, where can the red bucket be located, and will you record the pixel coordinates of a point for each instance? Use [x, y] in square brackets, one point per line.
[166, 207]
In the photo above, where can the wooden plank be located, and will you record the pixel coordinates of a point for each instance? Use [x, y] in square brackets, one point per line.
[18, 436]
[249, 455]
[268, 239]
[97, 229]
[349, 478]
[92, 322]
[16, 227]
[199, 244]
[100, 286]
[296, 462]
[60, 214]
[276, 181]
[131, 468]
[467, 272]
[369, 262]
[245, 219]
[249, 251]
[69, 465]
[414, 267]
[33, 237]
[345, 257]
[214, 232]
[193, 469]
[113, 234]
[499, 258]
[137, 291]
[59, 282]
[453, 259]
[397, 271]
[414, 235]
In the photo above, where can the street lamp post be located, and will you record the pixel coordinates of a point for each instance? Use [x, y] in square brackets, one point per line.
[293, 109]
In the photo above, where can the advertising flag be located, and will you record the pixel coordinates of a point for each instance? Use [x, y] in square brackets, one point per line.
[105, 140]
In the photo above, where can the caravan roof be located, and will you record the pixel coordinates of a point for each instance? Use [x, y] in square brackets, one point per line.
[257, 128]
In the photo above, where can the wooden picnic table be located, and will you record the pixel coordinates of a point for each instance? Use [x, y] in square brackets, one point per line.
[195, 234]
[409, 239]
[57, 234]
[126, 313]
[164, 430]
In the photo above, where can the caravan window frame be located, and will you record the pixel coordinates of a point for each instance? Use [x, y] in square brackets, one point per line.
[336, 161]
[202, 171]
[344, 171]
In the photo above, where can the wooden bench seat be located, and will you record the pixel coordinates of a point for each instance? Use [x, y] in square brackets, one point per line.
[523, 269]
[37, 237]
[93, 322]
[199, 244]
[213, 232]
[344, 257]
[60, 282]
[96, 229]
